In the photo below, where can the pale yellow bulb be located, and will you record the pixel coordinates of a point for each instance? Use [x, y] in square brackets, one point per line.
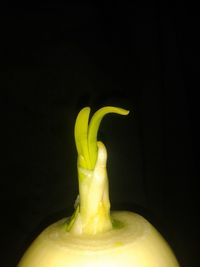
[92, 237]
[135, 244]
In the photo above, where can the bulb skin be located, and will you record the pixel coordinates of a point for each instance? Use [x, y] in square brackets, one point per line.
[133, 242]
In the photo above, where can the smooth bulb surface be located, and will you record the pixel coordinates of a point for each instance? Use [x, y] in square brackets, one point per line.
[135, 243]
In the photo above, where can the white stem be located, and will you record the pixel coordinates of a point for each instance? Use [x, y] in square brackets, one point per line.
[94, 207]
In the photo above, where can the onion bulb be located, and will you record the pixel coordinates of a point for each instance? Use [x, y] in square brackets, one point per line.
[94, 236]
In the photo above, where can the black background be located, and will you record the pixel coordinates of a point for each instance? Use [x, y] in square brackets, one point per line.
[58, 58]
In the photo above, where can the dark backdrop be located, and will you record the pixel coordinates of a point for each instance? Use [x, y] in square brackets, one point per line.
[58, 58]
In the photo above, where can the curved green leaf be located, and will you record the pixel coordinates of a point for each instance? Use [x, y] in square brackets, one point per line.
[94, 126]
[81, 137]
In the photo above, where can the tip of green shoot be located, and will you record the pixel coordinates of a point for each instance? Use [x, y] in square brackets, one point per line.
[86, 133]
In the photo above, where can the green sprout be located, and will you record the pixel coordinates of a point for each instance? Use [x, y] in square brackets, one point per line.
[92, 206]
[86, 133]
